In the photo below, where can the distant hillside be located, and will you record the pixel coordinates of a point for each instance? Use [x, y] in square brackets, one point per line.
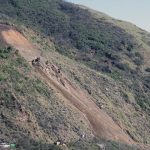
[107, 58]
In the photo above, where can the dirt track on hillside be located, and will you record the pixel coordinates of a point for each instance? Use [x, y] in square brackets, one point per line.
[102, 124]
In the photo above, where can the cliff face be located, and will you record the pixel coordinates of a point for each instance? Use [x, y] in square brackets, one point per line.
[90, 85]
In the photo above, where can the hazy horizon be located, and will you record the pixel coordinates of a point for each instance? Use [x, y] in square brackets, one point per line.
[133, 11]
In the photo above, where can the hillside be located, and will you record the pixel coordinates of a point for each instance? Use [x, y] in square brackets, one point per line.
[100, 97]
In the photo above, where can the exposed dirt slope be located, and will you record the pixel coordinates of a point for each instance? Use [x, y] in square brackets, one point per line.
[101, 123]
[14, 38]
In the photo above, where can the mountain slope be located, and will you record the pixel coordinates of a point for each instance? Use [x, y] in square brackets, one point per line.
[100, 55]
[25, 116]
[69, 91]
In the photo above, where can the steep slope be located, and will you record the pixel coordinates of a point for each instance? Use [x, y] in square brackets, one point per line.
[102, 124]
[74, 95]
[31, 114]
[107, 58]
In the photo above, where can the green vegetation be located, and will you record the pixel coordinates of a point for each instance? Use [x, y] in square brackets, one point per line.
[75, 31]
[96, 144]
[4, 53]
[147, 69]
[14, 84]
[106, 60]
[29, 144]
[30, 113]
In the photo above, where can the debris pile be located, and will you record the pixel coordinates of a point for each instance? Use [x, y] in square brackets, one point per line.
[50, 70]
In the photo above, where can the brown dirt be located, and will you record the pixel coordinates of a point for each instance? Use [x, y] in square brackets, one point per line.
[102, 124]
[15, 39]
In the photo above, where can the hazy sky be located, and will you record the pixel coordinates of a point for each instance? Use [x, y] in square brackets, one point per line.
[135, 11]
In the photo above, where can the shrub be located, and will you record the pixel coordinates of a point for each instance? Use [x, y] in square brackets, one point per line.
[146, 81]
[121, 66]
[5, 52]
[2, 77]
[26, 143]
[106, 69]
[138, 61]
[147, 69]
[112, 56]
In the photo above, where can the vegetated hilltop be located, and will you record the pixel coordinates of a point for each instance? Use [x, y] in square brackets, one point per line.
[106, 58]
